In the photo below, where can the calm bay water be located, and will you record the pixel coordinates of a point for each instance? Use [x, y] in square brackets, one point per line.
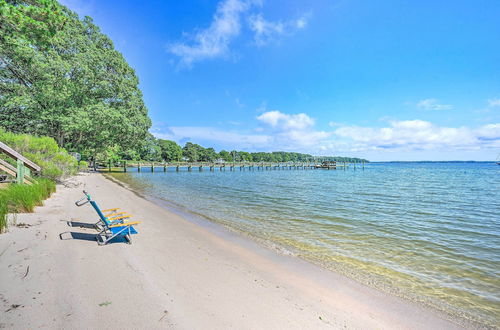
[426, 231]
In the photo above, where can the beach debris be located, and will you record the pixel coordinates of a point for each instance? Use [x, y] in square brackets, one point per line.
[27, 271]
[106, 303]
[23, 225]
[13, 306]
[22, 249]
[165, 312]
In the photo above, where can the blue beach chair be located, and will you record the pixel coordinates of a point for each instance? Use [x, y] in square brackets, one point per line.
[108, 216]
[111, 224]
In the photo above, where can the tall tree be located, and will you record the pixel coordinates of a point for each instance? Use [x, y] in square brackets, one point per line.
[224, 155]
[170, 151]
[191, 152]
[61, 77]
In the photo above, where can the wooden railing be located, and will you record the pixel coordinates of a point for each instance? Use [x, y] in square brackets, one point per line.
[22, 173]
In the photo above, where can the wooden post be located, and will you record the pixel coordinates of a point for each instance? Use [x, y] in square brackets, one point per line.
[177, 168]
[124, 166]
[164, 167]
[109, 165]
[138, 166]
[20, 171]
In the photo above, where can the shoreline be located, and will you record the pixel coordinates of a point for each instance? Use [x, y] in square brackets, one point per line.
[176, 274]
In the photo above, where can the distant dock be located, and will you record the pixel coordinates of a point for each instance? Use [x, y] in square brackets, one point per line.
[124, 166]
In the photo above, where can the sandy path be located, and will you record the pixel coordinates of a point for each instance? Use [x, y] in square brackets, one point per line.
[176, 274]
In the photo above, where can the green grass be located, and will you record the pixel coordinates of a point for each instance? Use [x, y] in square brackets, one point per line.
[18, 198]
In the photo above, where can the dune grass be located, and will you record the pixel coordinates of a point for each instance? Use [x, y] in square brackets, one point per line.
[23, 198]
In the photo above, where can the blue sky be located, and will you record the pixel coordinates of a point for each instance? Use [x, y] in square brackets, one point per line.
[383, 80]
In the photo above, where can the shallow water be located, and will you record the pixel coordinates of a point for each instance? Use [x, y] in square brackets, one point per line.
[427, 231]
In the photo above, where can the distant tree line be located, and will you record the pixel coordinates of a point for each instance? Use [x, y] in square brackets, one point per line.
[170, 151]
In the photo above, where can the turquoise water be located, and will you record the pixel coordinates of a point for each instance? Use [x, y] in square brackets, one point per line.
[426, 231]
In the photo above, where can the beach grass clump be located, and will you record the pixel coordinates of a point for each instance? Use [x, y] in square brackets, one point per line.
[18, 198]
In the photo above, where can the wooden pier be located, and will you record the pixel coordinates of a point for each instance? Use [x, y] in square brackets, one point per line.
[125, 166]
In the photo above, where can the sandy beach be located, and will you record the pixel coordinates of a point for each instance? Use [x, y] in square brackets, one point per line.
[176, 274]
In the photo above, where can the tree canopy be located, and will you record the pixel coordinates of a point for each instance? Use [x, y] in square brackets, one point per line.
[61, 77]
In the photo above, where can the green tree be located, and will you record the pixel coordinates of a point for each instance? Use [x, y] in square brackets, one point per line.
[150, 149]
[208, 155]
[61, 77]
[170, 151]
[191, 152]
[245, 156]
[224, 155]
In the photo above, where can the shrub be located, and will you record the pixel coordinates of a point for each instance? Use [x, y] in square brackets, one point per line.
[83, 165]
[55, 162]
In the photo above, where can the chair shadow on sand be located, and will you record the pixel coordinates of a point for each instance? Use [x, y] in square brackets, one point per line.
[92, 237]
[81, 224]
[69, 235]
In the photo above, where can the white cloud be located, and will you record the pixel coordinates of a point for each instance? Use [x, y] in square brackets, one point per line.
[214, 41]
[494, 102]
[421, 135]
[433, 104]
[301, 22]
[275, 118]
[489, 132]
[265, 31]
[291, 131]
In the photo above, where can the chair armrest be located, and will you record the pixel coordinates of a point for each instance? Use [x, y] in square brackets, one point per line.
[119, 217]
[125, 224]
[108, 210]
[113, 214]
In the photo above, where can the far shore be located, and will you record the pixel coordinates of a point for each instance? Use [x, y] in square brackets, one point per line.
[176, 274]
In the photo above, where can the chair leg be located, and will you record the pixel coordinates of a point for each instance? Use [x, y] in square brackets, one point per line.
[104, 242]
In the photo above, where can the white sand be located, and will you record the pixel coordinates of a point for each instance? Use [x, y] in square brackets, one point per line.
[176, 274]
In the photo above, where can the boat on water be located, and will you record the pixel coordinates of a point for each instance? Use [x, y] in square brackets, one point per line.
[327, 165]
